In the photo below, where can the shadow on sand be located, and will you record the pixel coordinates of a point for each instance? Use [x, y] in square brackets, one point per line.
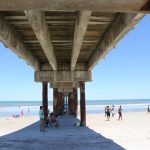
[65, 137]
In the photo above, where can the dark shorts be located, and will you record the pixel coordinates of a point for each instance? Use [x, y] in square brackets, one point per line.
[108, 114]
[120, 114]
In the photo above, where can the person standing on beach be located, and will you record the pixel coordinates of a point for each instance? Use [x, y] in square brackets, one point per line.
[108, 112]
[105, 111]
[148, 109]
[42, 121]
[120, 113]
[113, 111]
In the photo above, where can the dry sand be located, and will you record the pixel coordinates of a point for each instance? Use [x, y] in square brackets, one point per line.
[10, 124]
[132, 133]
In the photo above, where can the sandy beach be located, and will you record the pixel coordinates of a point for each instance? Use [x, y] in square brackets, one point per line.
[131, 133]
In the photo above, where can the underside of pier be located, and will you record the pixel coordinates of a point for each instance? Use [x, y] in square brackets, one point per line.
[64, 40]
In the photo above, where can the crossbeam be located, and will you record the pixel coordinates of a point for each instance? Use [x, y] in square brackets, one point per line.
[61, 67]
[62, 76]
[64, 85]
[65, 90]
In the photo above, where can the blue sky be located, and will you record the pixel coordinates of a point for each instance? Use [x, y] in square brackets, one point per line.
[123, 74]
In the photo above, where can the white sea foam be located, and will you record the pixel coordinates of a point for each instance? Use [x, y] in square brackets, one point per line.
[33, 110]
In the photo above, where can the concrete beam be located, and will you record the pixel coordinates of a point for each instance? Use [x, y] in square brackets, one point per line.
[64, 85]
[38, 23]
[74, 5]
[13, 41]
[65, 90]
[62, 76]
[82, 21]
[120, 26]
[66, 67]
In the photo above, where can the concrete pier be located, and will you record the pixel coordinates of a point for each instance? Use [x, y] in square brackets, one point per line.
[45, 98]
[64, 40]
[82, 104]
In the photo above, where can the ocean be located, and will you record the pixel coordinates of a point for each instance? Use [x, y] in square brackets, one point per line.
[9, 108]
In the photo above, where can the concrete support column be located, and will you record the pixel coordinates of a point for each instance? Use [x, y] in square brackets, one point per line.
[69, 103]
[72, 103]
[75, 101]
[82, 104]
[45, 98]
[61, 103]
[58, 103]
[55, 96]
[62, 97]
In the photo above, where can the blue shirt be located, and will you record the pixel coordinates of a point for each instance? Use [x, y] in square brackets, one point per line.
[41, 114]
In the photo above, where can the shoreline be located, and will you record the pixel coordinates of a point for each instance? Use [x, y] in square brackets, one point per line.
[90, 109]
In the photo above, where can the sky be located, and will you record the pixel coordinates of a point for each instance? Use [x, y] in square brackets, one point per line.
[123, 74]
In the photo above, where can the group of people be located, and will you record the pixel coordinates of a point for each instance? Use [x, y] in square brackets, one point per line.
[110, 111]
[51, 120]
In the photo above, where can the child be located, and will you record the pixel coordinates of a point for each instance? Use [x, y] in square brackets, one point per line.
[42, 121]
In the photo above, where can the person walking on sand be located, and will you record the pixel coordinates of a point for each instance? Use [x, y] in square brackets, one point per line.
[108, 113]
[42, 121]
[148, 109]
[120, 113]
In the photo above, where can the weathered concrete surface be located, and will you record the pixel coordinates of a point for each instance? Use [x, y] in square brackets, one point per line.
[45, 98]
[11, 40]
[94, 5]
[64, 84]
[82, 104]
[120, 26]
[65, 137]
[41, 30]
[62, 76]
[65, 90]
[82, 22]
